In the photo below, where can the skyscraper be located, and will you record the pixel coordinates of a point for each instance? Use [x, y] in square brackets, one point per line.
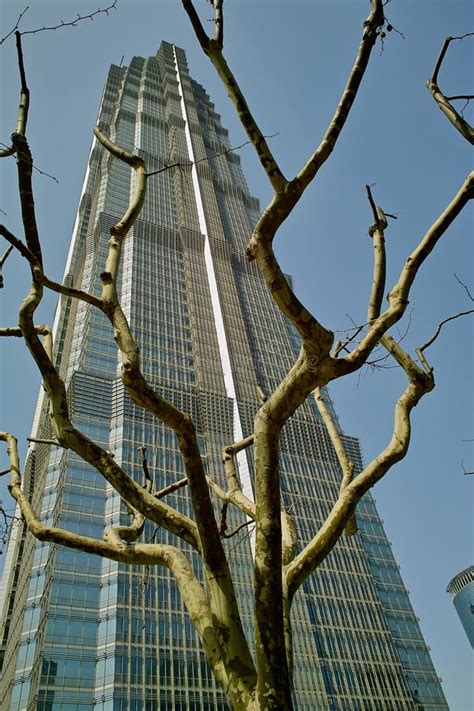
[84, 633]
[461, 589]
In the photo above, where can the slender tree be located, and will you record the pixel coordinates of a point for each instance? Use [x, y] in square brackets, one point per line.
[263, 684]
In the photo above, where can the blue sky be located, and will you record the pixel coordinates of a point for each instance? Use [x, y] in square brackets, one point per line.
[292, 59]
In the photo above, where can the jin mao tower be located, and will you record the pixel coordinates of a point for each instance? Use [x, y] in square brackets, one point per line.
[83, 633]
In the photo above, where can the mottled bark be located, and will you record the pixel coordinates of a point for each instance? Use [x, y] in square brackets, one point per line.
[444, 102]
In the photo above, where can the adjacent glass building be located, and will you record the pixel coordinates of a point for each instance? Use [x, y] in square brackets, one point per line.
[461, 589]
[80, 633]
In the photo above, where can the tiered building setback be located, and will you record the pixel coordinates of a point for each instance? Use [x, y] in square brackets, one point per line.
[85, 634]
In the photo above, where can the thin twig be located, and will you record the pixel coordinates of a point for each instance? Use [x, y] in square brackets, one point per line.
[389, 27]
[201, 160]
[47, 175]
[437, 331]
[464, 286]
[38, 170]
[241, 540]
[12, 31]
[236, 530]
[343, 346]
[468, 97]
[61, 24]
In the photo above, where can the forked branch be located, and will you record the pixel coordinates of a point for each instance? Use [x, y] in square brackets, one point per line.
[170, 557]
[399, 295]
[443, 101]
[419, 383]
[372, 25]
[430, 341]
[213, 49]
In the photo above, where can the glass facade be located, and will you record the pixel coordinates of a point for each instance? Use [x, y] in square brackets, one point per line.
[461, 589]
[82, 633]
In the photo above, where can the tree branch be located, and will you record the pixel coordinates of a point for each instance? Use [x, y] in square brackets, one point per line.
[24, 164]
[18, 244]
[172, 558]
[119, 536]
[219, 22]
[221, 591]
[70, 291]
[41, 278]
[17, 24]
[466, 97]
[321, 545]
[376, 231]
[69, 437]
[69, 23]
[197, 25]
[43, 330]
[464, 287]
[374, 21]
[171, 488]
[345, 463]
[398, 297]
[464, 128]
[213, 49]
[24, 96]
[37, 440]
[139, 389]
[205, 159]
[437, 331]
[315, 336]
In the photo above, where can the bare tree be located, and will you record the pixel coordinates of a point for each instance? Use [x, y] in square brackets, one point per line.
[279, 570]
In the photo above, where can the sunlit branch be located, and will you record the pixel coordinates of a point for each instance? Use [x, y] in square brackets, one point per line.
[213, 49]
[399, 295]
[38, 440]
[443, 101]
[219, 23]
[376, 231]
[374, 21]
[174, 559]
[122, 535]
[347, 466]
[70, 291]
[321, 545]
[171, 488]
